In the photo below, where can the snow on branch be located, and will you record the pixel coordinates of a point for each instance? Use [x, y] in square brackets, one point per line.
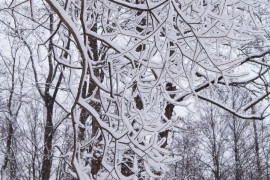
[141, 58]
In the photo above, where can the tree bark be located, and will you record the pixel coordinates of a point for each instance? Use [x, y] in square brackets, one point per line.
[87, 92]
[235, 141]
[49, 105]
[257, 150]
[236, 156]
[48, 137]
[8, 156]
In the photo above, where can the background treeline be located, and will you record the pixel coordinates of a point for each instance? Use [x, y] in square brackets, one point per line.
[214, 144]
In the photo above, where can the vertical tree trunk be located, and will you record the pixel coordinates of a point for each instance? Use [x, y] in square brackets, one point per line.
[236, 159]
[87, 92]
[168, 113]
[215, 154]
[236, 148]
[257, 148]
[8, 154]
[96, 160]
[48, 137]
[49, 103]
[267, 167]
[257, 151]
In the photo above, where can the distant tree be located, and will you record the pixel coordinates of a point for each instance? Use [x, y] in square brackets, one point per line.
[240, 139]
[214, 142]
[186, 145]
[12, 88]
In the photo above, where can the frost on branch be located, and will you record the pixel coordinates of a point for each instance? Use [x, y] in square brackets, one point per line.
[138, 60]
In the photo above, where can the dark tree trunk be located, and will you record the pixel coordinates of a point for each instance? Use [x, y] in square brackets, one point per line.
[48, 137]
[9, 154]
[87, 92]
[215, 154]
[168, 113]
[49, 101]
[237, 161]
[49, 104]
[257, 151]
[236, 137]
[96, 160]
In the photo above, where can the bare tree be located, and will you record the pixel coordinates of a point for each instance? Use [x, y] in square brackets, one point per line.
[186, 145]
[240, 143]
[47, 85]
[14, 71]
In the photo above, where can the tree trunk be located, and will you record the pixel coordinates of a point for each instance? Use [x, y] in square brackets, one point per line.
[215, 154]
[48, 137]
[236, 148]
[49, 103]
[87, 92]
[257, 150]
[236, 159]
[8, 154]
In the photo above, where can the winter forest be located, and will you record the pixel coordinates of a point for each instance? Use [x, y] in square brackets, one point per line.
[134, 89]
